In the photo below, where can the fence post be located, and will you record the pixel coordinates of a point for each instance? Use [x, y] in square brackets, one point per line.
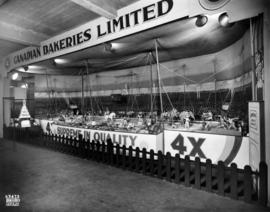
[137, 160]
[59, 143]
[98, 151]
[49, 138]
[220, 177]
[62, 146]
[152, 165]
[58, 137]
[85, 147]
[177, 168]
[117, 155]
[56, 142]
[95, 154]
[197, 173]
[130, 151]
[53, 141]
[111, 147]
[248, 184]
[92, 149]
[187, 171]
[70, 147]
[168, 166]
[124, 157]
[208, 175]
[160, 164]
[74, 149]
[78, 150]
[103, 149]
[233, 181]
[263, 186]
[44, 138]
[144, 161]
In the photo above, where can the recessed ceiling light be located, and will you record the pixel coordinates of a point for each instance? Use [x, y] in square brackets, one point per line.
[15, 76]
[60, 61]
[201, 20]
[224, 20]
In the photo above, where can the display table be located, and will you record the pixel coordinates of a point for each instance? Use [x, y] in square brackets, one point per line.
[148, 141]
[206, 145]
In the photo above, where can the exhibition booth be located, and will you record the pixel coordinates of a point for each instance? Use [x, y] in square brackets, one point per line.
[168, 75]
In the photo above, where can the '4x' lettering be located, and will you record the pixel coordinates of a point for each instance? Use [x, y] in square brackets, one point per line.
[196, 147]
[178, 144]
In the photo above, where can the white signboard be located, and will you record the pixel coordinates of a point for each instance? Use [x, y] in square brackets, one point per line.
[255, 128]
[229, 149]
[137, 17]
[147, 141]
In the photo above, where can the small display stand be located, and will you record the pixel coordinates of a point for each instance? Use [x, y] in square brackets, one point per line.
[24, 117]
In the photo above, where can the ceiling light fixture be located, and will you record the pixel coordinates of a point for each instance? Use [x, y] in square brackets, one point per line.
[23, 69]
[201, 20]
[60, 61]
[24, 85]
[224, 20]
[108, 46]
[15, 76]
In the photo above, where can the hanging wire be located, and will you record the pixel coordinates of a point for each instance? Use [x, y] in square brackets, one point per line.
[180, 75]
[168, 97]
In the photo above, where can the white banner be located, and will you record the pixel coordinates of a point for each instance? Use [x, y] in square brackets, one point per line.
[147, 141]
[229, 149]
[137, 17]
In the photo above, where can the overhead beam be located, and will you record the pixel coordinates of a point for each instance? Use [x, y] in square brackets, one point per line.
[104, 8]
[16, 34]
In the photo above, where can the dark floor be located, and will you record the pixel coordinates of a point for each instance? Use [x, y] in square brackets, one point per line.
[52, 181]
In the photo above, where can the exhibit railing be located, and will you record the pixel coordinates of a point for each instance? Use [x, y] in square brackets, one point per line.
[242, 184]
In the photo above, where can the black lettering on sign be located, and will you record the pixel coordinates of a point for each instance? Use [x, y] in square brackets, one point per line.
[178, 144]
[197, 147]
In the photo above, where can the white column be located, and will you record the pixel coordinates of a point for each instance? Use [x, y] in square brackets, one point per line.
[267, 91]
[4, 92]
[1, 98]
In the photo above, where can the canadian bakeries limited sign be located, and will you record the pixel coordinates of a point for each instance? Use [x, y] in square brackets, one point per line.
[132, 19]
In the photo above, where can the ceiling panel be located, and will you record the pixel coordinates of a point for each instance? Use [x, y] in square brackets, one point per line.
[7, 47]
[50, 17]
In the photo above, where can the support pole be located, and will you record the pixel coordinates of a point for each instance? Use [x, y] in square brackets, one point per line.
[266, 43]
[49, 93]
[158, 73]
[89, 84]
[82, 103]
[184, 73]
[253, 72]
[215, 81]
[151, 85]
